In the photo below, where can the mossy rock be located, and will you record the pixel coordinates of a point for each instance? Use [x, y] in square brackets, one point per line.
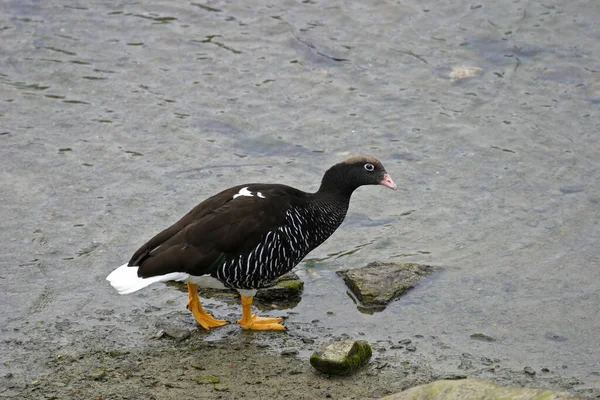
[287, 288]
[342, 357]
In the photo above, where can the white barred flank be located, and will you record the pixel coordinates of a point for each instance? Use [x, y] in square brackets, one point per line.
[282, 249]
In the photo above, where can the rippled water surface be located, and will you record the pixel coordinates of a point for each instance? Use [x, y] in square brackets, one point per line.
[116, 117]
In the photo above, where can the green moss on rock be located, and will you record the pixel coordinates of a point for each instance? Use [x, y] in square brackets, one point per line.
[343, 357]
[483, 337]
[294, 285]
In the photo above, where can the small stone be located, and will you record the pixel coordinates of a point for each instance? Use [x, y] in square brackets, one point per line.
[452, 377]
[289, 352]
[529, 371]
[411, 347]
[545, 370]
[461, 72]
[98, 374]
[405, 341]
[465, 364]
[198, 365]
[342, 357]
[177, 333]
[219, 387]
[486, 361]
[204, 380]
[483, 337]
[555, 337]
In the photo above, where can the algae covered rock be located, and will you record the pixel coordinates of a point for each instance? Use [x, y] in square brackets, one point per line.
[342, 357]
[378, 283]
[287, 288]
[473, 389]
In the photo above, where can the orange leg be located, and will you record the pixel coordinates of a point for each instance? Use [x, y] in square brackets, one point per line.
[251, 321]
[205, 320]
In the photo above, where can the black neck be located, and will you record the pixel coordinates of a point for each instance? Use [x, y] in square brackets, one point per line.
[336, 184]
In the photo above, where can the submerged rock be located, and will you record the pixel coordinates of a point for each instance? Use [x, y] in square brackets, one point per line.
[473, 389]
[342, 357]
[378, 283]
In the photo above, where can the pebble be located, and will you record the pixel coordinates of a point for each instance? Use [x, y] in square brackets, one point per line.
[405, 341]
[465, 364]
[98, 374]
[555, 337]
[289, 352]
[177, 333]
[198, 365]
[219, 387]
[529, 371]
[482, 336]
[486, 361]
[411, 347]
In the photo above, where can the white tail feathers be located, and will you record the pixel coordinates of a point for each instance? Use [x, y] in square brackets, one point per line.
[126, 280]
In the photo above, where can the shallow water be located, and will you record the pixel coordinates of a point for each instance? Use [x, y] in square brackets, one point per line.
[117, 117]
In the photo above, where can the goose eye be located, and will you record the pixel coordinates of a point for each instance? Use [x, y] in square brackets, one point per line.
[369, 167]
